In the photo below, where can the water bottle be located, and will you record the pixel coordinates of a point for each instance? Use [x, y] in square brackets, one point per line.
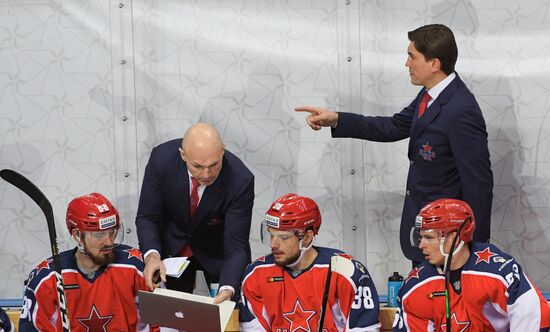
[394, 283]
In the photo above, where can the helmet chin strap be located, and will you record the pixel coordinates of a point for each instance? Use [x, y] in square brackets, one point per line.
[446, 256]
[302, 252]
[79, 244]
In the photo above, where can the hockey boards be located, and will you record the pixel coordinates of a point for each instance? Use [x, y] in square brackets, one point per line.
[26, 186]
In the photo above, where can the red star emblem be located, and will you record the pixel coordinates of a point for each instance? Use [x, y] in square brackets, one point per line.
[456, 325]
[44, 265]
[299, 318]
[414, 274]
[484, 255]
[95, 322]
[134, 253]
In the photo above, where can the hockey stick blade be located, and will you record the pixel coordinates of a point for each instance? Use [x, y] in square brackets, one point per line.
[26, 186]
[341, 265]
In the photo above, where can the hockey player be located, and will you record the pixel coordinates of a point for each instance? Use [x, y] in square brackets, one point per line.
[487, 289]
[101, 277]
[283, 292]
[5, 323]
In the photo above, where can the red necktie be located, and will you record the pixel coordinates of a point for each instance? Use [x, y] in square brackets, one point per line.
[193, 203]
[423, 104]
[194, 199]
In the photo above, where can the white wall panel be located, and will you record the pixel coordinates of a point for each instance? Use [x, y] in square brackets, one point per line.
[88, 87]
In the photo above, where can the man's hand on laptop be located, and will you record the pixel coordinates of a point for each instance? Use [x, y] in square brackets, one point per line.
[223, 295]
[154, 268]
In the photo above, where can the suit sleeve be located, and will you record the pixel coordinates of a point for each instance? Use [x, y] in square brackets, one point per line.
[39, 312]
[376, 128]
[235, 238]
[468, 140]
[252, 305]
[358, 301]
[150, 207]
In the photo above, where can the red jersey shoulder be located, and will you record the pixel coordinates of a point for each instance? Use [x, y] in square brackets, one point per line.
[129, 256]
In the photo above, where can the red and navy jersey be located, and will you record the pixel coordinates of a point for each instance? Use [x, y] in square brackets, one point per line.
[495, 296]
[5, 324]
[275, 300]
[104, 301]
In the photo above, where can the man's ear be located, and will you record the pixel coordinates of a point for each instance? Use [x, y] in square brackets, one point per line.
[309, 236]
[436, 65]
[182, 154]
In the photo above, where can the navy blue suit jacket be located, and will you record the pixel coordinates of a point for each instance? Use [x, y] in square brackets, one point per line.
[219, 231]
[448, 154]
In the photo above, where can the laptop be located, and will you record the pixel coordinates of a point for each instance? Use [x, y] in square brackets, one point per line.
[183, 311]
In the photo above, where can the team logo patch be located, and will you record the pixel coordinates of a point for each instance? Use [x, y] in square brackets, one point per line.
[299, 317]
[414, 274]
[426, 152]
[274, 279]
[107, 222]
[271, 221]
[484, 256]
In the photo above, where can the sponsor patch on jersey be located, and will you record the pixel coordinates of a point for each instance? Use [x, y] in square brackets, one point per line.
[275, 279]
[107, 222]
[71, 286]
[426, 152]
[271, 221]
[436, 294]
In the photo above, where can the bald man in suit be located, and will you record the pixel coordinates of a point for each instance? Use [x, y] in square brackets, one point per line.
[215, 234]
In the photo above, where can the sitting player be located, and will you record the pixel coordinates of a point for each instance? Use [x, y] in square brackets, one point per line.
[487, 289]
[284, 291]
[101, 277]
[5, 323]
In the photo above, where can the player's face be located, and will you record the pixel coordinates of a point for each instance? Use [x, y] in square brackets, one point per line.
[429, 244]
[285, 246]
[420, 69]
[205, 163]
[99, 245]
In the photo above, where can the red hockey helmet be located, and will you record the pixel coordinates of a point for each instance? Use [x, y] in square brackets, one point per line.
[293, 212]
[447, 215]
[92, 213]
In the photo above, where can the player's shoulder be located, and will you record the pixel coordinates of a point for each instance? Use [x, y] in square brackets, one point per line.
[128, 256]
[46, 268]
[488, 258]
[423, 273]
[266, 260]
[356, 269]
[261, 264]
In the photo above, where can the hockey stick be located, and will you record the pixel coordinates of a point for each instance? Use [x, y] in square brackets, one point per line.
[340, 265]
[25, 185]
[448, 321]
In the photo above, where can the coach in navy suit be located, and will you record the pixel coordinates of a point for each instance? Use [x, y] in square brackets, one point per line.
[448, 152]
[216, 236]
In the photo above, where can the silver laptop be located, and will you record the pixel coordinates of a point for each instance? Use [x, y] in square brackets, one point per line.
[183, 311]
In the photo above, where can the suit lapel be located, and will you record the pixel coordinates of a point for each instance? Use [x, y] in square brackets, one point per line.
[182, 192]
[432, 112]
[429, 115]
[212, 195]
